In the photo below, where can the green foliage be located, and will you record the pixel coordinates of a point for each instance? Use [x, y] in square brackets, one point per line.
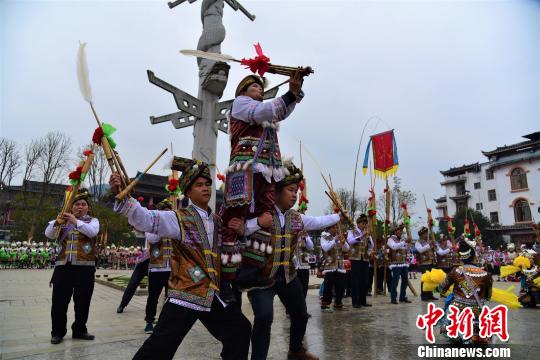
[24, 208]
[117, 226]
[488, 237]
[119, 231]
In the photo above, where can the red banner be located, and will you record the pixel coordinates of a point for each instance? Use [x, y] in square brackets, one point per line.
[383, 152]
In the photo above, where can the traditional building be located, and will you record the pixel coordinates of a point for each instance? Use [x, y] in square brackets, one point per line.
[505, 188]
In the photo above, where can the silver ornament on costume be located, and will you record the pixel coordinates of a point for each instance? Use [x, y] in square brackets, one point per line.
[87, 248]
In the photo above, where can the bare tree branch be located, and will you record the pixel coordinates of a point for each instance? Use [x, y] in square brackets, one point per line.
[9, 160]
[54, 156]
[98, 172]
[32, 153]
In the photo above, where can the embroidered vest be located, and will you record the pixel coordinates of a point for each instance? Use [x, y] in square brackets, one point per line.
[245, 142]
[195, 264]
[160, 254]
[361, 249]
[284, 241]
[397, 256]
[333, 259]
[301, 255]
[76, 248]
[445, 261]
[426, 258]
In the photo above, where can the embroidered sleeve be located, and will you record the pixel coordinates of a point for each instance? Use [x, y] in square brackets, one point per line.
[309, 243]
[442, 252]
[90, 229]
[312, 223]
[50, 230]
[161, 223]
[421, 248]
[392, 244]
[248, 110]
[326, 245]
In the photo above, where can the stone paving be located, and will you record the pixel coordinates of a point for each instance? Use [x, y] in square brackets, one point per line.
[384, 331]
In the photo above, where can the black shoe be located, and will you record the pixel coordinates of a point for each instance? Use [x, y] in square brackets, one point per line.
[226, 294]
[85, 336]
[120, 309]
[256, 283]
[423, 298]
[56, 340]
[393, 302]
[406, 301]
[366, 304]
[357, 306]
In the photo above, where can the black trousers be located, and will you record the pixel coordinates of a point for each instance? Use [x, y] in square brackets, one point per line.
[157, 281]
[380, 279]
[262, 302]
[140, 271]
[334, 281]
[228, 325]
[303, 276]
[360, 281]
[71, 280]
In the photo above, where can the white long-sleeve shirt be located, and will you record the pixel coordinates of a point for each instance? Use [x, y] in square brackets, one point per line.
[395, 244]
[90, 229]
[328, 244]
[443, 252]
[422, 247]
[249, 110]
[267, 113]
[309, 243]
[162, 223]
[311, 223]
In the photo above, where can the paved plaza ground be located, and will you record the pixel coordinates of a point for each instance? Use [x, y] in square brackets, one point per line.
[384, 331]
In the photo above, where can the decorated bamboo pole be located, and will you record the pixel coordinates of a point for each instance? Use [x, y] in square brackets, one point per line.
[173, 189]
[122, 194]
[407, 223]
[303, 201]
[76, 178]
[104, 131]
[451, 230]
[372, 228]
[430, 224]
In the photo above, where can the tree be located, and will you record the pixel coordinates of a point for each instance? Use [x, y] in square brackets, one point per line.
[54, 156]
[98, 173]
[9, 160]
[117, 226]
[32, 152]
[119, 231]
[51, 163]
[488, 237]
[346, 198]
[398, 196]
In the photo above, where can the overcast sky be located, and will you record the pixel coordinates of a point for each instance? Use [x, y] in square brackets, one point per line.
[451, 77]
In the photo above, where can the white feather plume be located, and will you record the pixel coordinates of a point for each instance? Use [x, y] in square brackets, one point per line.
[207, 55]
[82, 73]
